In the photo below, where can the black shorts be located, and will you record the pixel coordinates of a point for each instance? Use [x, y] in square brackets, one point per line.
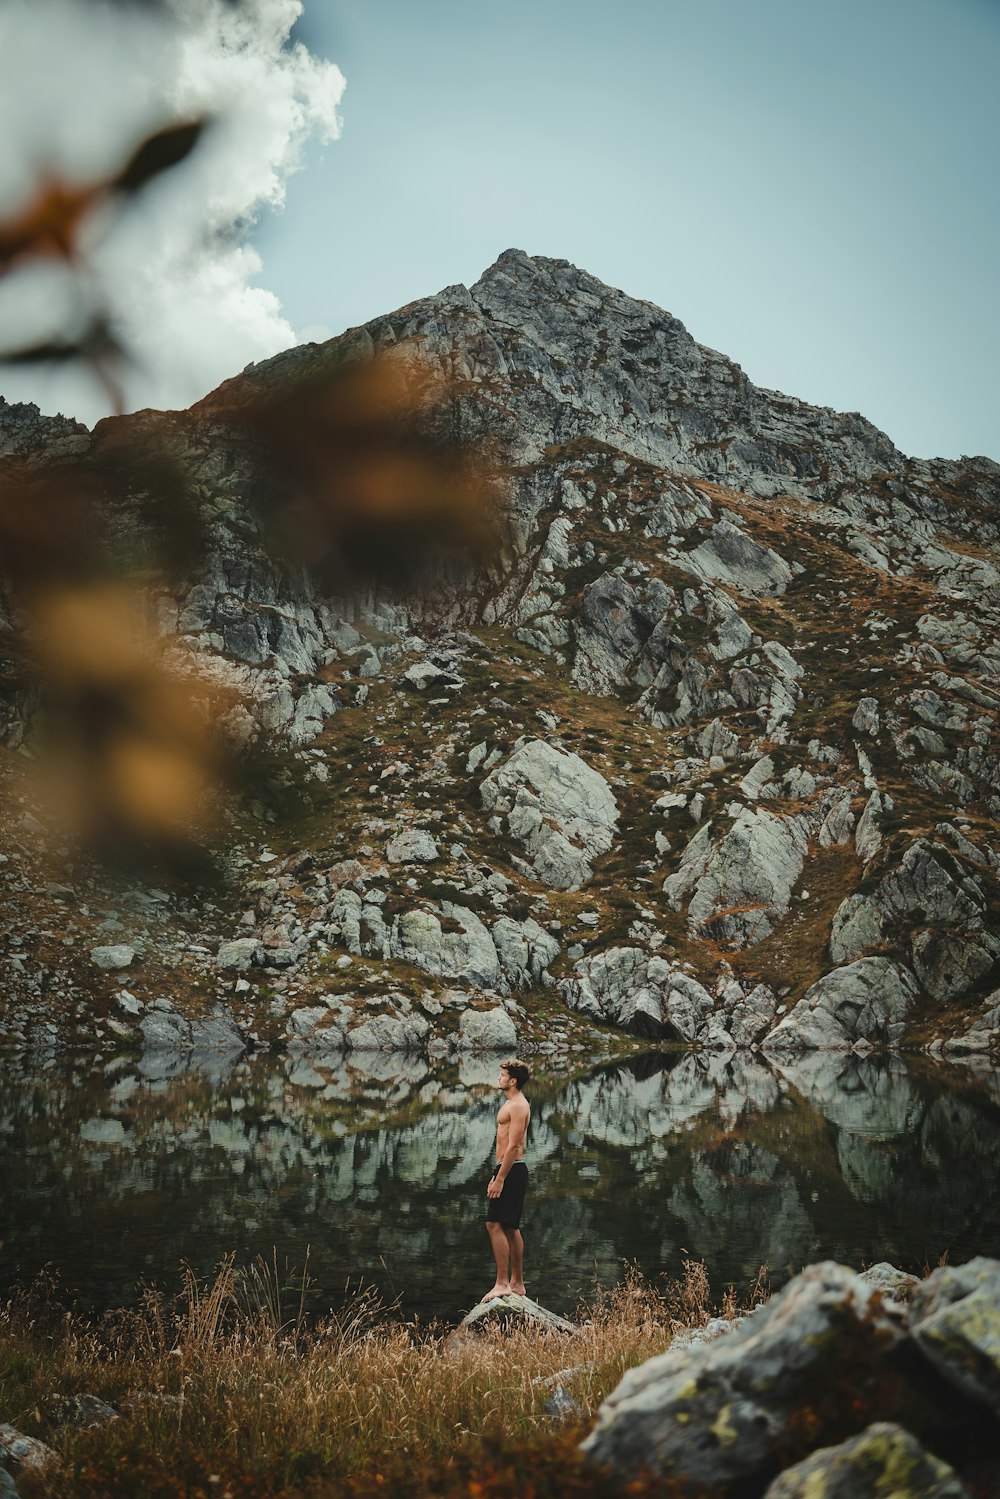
[508, 1207]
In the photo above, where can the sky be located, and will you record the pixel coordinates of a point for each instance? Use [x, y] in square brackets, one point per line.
[811, 188]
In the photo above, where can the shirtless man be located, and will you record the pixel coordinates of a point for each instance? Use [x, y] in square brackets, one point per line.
[509, 1182]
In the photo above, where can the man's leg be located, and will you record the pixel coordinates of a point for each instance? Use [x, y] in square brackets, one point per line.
[501, 1253]
[515, 1246]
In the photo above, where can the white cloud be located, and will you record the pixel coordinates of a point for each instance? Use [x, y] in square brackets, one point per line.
[79, 85]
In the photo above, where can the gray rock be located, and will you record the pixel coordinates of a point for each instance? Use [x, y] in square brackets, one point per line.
[884, 1462]
[84, 1410]
[751, 1016]
[626, 987]
[165, 1031]
[451, 942]
[838, 824]
[858, 925]
[925, 887]
[306, 1018]
[447, 940]
[511, 1308]
[866, 716]
[728, 555]
[865, 1002]
[737, 890]
[128, 1003]
[216, 1032]
[615, 629]
[525, 950]
[561, 1406]
[716, 739]
[868, 835]
[555, 804]
[25, 1453]
[720, 1414]
[895, 1285]
[118, 955]
[8, 1488]
[240, 954]
[947, 965]
[411, 846]
[759, 780]
[424, 674]
[955, 1322]
[487, 1030]
[693, 1337]
[388, 1033]
[983, 1034]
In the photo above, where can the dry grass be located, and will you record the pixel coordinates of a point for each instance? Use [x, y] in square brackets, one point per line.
[230, 1380]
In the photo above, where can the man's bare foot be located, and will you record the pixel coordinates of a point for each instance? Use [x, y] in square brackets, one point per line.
[497, 1290]
[516, 1288]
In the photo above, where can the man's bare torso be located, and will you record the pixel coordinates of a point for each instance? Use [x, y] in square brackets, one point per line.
[514, 1109]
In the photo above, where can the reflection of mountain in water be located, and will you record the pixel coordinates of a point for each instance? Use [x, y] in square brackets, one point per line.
[382, 1173]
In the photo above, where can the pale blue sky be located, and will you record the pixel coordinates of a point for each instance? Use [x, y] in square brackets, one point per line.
[812, 188]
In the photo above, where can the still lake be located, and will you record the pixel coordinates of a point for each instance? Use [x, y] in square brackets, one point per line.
[116, 1176]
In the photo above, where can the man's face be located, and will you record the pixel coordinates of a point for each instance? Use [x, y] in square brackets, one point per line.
[503, 1079]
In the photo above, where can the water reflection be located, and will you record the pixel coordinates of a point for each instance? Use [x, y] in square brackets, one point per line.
[378, 1166]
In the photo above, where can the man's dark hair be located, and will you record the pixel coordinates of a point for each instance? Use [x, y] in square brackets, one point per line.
[519, 1071]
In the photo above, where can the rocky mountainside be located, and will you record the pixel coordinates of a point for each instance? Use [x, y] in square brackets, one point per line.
[704, 752]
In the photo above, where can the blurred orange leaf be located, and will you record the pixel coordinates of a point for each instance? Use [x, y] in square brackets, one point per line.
[50, 225]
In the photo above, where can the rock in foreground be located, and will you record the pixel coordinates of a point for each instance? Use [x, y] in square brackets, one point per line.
[504, 1309]
[819, 1386]
[884, 1460]
[719, 1414]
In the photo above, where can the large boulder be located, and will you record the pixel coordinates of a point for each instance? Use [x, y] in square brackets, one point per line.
[625, 987]
[525, 951]
[614, 624]
[388, 1033]
[737, 890]
[240, 954]
[165, 1030]
[444, 939]
[452, 942]
[864, 1003]
[928, 887]
[315, 1033]
[728, 555]
[725, 1413]
[411, 846]
[948, 965]
[487, 1030]
[556, 805]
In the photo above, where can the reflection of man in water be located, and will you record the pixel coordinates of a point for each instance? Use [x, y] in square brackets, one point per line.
[509, 1182]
